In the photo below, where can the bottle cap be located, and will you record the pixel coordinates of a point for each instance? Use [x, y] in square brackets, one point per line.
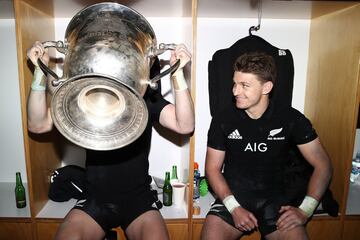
[196, 165]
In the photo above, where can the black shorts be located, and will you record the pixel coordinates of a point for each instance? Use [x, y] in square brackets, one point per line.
[119, 213]
[266, 211]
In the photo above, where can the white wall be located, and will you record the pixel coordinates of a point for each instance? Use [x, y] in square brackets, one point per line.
[12, 156]
[164, 153]
[218, 33]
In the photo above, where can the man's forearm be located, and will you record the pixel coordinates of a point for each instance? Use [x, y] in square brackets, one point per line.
[223, 192]
[38, 115]
[218, 184]
[184, 111]
[319, 182]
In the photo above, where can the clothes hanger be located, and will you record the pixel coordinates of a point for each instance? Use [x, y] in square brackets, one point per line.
[256, 28]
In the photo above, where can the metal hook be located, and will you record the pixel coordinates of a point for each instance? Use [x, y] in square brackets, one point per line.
[256, 28]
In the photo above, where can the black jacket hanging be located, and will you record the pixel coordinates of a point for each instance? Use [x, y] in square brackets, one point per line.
[221, 71]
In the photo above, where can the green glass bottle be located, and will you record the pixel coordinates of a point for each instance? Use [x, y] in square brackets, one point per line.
[19, 192]
[167, 191]
[174, 178]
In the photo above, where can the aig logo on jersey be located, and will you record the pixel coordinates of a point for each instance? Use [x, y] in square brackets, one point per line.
[256, 147]
[274, 134]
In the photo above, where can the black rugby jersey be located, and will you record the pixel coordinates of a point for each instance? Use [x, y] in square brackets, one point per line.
[256, 149]
[110, 174]
[114, 174]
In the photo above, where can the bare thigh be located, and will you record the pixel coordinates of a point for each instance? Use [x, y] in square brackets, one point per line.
[217, 229]
[79, 225]
[298, 233]
[148, 226]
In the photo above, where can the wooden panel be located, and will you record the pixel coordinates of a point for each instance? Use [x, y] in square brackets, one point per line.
[253, 236]
[44, 6]
[40, 152]
[196, 230]
[351, 229]
[177, 231]
[324, 229]
[120, 234]
[15, 231]
[320, 8]
[46, 230]
[331, 100]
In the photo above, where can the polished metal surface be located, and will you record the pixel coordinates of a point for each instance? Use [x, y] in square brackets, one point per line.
[111, 39]
[109, 49]
[97, 112]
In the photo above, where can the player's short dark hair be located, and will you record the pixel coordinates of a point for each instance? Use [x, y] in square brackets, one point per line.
[258, 63]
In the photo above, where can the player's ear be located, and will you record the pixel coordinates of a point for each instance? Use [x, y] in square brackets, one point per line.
[267, 87]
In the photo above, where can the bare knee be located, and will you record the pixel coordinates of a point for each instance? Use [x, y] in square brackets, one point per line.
[78, 225]
[216, 228]
[148, 222]
[69, 230]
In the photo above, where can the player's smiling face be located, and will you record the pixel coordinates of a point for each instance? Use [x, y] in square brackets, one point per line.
[247, 90]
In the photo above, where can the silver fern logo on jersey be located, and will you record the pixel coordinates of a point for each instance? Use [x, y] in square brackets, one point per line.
[274, 134]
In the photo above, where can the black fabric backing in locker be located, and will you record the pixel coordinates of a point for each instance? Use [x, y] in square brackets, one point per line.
[221, 71]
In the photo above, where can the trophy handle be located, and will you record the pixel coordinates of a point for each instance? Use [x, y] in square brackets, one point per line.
[162, 48]
[60, 47]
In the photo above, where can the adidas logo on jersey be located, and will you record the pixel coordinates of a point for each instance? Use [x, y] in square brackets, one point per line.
[282, 52]
[235, 135]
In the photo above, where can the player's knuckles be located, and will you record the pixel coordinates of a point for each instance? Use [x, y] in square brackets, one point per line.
[281, 218]
[287, 226]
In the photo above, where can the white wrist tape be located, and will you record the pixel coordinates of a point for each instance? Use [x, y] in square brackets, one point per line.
[179, 81]
[231, 203]
[38, 82]
[309, 205]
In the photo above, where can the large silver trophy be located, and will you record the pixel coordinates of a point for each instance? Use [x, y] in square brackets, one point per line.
[98, 102]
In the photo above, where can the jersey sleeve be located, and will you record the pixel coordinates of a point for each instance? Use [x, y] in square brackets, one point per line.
[154, 99]
[155, 104]
[216, 138]
[303, 131]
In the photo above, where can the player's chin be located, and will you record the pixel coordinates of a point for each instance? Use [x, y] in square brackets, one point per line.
[240, 105]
